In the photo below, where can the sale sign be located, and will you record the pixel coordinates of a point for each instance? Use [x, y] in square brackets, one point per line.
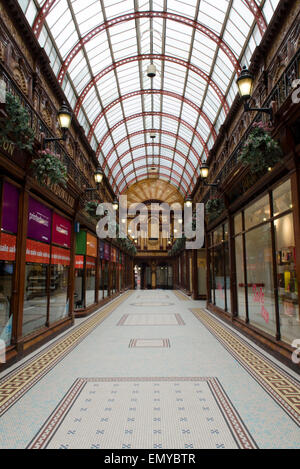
[7, 247]
[79, 262]
[37, 253]
[60, 256]
[61, 231]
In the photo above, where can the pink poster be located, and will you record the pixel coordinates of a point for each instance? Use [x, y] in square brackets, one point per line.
[61, 231]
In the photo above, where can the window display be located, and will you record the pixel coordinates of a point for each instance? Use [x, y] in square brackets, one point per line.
[35, 297]
[90, 291]
[79, 282]
[287, 279]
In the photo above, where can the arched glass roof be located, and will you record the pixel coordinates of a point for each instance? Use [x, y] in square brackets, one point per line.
[100, 51]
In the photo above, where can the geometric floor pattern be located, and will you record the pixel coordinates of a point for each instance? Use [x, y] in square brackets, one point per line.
[99, 385]
[139, 414]
[14, 385]
[151, 320]
[281, 387]
[152, 343]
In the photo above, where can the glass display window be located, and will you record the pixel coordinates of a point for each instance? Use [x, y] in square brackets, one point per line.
[79, 283]
[90, 290]
[59, 277]
[287, 279]
[258, 213]
[282, 198]
[35, 297]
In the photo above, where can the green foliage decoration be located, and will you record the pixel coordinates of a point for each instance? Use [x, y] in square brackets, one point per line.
[260, 151]
[48, 169]
[15, 128]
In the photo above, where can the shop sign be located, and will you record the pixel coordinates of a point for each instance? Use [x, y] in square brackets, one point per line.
[39, 221]
[63, 195]
[90, 263]
[107, 252]
[7, 247]
[37, 253]
[61, 231]
[60, 256]
[10, 208]
[91, 245]
[79, 262]
[101, 249]
[81, 242]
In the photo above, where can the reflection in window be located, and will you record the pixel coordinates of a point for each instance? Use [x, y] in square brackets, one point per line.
[282, 198]
[59, 307]
[287, 279]
[90, 286]
[258, 213]
[6, 277]
[240, 277]
[260, 279]
[78, 289]
[35, 298]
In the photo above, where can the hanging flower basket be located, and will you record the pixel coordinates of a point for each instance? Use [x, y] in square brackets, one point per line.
[260, 150]
[91, 208]
[49, 170]
[214, 208]
[15, 127]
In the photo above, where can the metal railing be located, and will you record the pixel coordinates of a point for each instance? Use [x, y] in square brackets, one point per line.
[279, 94]
[40, 128]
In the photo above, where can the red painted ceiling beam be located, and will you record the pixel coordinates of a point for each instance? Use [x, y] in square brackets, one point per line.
[149, 57]
[143, 132]
[148, 14]
[153, 145]
[170, 94]
[155, 114]
[45, 9]
[130, 163]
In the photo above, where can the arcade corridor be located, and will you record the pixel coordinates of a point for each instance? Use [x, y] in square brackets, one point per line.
[151, 370]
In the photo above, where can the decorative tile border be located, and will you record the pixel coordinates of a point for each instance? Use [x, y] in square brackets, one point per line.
[283, 389]
[95, 409]
[149, 343]
[141, 321]
[17, 383]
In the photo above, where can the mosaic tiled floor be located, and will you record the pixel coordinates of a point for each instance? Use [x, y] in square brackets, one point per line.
[181, 296]
[252, 398]
[144, 414]
[151, 320]
[155, 343]
[283, 389]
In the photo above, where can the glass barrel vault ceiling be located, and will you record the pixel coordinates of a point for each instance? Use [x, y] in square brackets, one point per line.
[100, 51]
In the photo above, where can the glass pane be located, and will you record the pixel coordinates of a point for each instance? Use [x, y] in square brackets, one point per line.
[201, 265]
[78, 289]
[6, 277]
[260, 279]
[227, 277]
[282, 198]
[100, 294]
[105, 280]
[287, 279]
[218, 235]
[258, 212]
[238, 224]
[35, 298]
[59, 305]
[219, 261]
[90, 286]
[240, 277]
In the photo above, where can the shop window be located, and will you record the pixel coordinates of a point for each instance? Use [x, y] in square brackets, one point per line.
[287, 279]
[240, 277]
[105, 279]
[282, 198]
[219, 279]
[35, 297]
[258, 213]
[90, 281]
[201, 266]
[6, 279]
[79, 283]
[59, 304]
[261, 301]
[238, 223]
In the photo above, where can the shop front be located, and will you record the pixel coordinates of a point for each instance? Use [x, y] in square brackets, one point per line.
[265, 287]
